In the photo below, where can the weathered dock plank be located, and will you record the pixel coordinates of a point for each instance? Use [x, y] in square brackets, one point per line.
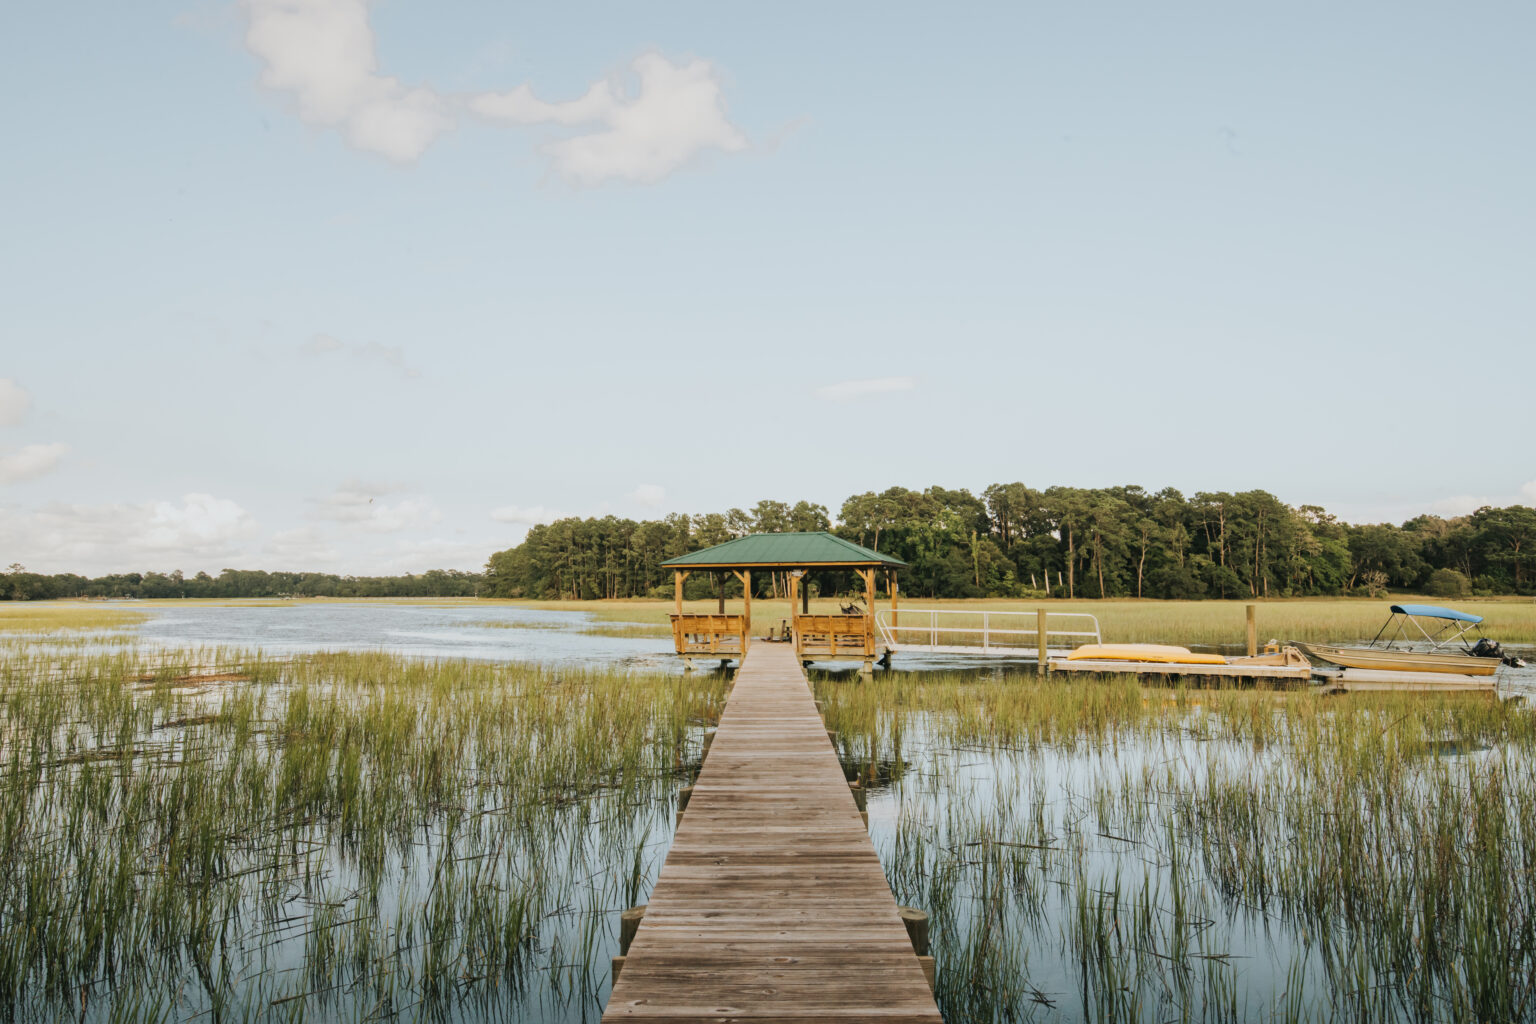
[772, 905]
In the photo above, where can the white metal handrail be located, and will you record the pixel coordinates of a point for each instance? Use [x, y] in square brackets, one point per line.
[891, 625]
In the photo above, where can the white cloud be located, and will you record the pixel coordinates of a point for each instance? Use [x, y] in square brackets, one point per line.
[359, 504]
[1464, 504]
[200, 519]
[324, 55]
[301, 547]
[649, 495]
[31, 461]
[15, 403]
[676, 112]
[434, 553]
[323, 343]
[524, 516]
[198, 532]
[849, 389]
[368, 352]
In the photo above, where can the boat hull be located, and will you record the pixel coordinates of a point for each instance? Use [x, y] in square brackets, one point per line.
[1401, 661]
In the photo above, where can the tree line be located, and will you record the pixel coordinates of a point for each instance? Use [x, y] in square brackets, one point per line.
[17, 584]
[1010, 541]
[1017, 541]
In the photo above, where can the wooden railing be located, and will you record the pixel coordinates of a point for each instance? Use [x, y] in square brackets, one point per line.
[710, 634]
[832, 636]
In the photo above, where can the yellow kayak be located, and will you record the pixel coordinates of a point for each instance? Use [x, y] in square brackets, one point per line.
[1161, 653]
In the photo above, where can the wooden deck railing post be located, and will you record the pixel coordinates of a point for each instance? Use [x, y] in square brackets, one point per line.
[1040, 639]
[1253, 630]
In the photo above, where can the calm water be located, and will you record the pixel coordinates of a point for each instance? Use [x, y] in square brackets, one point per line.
[418, 630]
[528, 634]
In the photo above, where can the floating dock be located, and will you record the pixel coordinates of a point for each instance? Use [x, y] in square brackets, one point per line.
[772, 905]
[1351, 680]
[1359, 680]
[1258, 673]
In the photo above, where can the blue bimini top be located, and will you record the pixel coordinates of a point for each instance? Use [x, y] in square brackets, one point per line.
[1433, 611]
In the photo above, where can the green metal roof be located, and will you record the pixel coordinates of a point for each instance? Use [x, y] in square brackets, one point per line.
[795, 549]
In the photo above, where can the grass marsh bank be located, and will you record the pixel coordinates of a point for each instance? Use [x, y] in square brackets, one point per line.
[332, 836]
[50, 617]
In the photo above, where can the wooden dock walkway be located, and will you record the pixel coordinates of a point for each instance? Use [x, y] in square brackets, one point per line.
[772, 905]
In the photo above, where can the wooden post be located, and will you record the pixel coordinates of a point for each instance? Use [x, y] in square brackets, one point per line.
[917, 928]
[629, 924]
[805, 595]
[894, 588]
[678, 576]
[1040, 640]
[1253, 630]
[720, 589]
[746, 602]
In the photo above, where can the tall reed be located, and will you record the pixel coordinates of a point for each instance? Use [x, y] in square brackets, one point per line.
[355, 836]
[1100, 850]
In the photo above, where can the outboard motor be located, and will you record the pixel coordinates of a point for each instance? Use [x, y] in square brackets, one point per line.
[1486, 648]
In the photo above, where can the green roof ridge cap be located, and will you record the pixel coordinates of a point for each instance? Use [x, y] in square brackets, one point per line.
[801, 547]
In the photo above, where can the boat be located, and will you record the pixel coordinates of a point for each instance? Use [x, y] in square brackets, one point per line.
[1156, 653]
[1450, 648]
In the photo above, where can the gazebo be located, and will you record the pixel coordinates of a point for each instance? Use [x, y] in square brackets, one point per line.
[816, 637]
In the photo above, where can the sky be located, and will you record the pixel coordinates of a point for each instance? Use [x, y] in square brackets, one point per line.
[372, 287]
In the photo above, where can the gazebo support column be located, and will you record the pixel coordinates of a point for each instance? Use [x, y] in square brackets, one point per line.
[677, 589]
[678, 575]
[746, 600]
[868, 666]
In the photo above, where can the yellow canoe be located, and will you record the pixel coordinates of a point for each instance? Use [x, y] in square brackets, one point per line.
[1161, 653]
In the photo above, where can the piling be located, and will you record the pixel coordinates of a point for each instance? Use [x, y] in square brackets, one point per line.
[629, 924]
[1045, 662]
[917, 928]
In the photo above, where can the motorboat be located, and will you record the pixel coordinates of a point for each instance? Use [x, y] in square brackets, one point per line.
[1421, 638]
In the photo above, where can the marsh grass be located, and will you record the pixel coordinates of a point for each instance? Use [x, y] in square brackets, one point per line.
[45, 617]
[1096, 850]
[335, 836]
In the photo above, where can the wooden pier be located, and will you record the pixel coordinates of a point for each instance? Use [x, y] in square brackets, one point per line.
[772, 905]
